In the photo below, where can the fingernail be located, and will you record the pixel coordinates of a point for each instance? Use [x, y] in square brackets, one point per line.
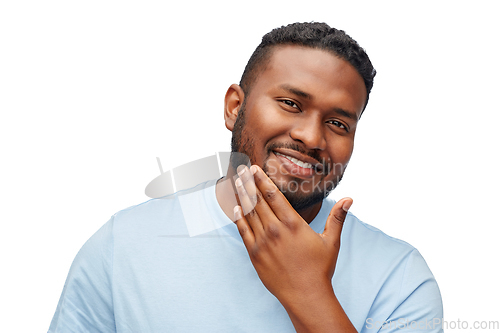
[237, 213]
[242, 171]
[253, 169]
[238, 182]
[346, 205]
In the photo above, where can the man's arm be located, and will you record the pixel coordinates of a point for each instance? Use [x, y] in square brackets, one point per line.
[86, 303]
[295, 263]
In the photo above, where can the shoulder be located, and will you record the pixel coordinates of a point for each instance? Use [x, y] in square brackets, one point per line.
[361, 236]
[388, 274]
[86, 301]
[168, 215]
[383, 253]
[369, 237]
[164, 205]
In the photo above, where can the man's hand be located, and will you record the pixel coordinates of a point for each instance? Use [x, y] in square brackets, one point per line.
[295, 263]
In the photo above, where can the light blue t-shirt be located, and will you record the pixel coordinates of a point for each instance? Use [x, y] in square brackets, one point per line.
[146, 271]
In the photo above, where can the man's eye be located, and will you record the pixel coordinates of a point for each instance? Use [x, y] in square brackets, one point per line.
[338, 124]
[290, 103]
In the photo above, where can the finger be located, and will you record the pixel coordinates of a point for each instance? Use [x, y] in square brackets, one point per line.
[243, 228]
[274, 198]
[270, 222]
[248, 183]
[248, 208]
[254, 194]
[335, 221]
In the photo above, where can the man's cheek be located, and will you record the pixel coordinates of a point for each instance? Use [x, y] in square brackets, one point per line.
[272, 171]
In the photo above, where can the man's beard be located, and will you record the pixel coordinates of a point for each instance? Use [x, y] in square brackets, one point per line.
[243, 152]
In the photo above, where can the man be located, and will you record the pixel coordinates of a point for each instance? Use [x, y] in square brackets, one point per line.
[294, 260]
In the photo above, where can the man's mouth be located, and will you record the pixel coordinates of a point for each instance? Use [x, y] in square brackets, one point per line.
[318, 167]
[296, 161]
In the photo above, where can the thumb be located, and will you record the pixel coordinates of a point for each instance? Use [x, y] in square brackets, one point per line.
[335, 220]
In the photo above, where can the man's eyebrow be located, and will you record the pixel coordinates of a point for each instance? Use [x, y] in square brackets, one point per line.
[295, 91]
[346, 114]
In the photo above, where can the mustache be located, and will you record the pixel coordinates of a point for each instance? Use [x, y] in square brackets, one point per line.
[311, 153]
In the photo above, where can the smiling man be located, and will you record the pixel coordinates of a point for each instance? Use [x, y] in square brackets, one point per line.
[305, 106]
[294, 260]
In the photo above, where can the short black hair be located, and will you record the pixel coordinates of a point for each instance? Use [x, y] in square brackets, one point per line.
[314, 35]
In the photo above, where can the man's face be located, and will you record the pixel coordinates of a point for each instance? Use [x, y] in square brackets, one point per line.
[299, 120]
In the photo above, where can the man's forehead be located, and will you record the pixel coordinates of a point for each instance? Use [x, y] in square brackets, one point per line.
[287, 59]
[292, 51]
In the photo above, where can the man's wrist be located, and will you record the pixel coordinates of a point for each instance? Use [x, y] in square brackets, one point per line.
[308, 297]
[316, 309]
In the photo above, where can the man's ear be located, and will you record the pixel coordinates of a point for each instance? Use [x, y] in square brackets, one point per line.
[232, 104]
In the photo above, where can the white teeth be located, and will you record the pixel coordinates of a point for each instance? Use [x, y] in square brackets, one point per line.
[296, 161]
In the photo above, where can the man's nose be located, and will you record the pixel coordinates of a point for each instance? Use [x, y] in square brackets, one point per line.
[310, 132]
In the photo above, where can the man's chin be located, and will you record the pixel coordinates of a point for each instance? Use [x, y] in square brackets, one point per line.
[300, 195]
[297, 197]
[302, 202]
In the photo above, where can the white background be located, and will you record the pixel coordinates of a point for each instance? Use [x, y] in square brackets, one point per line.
[91, 92]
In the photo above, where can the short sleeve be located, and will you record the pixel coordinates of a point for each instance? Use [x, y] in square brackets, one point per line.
[420, 307]
[86, 303]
